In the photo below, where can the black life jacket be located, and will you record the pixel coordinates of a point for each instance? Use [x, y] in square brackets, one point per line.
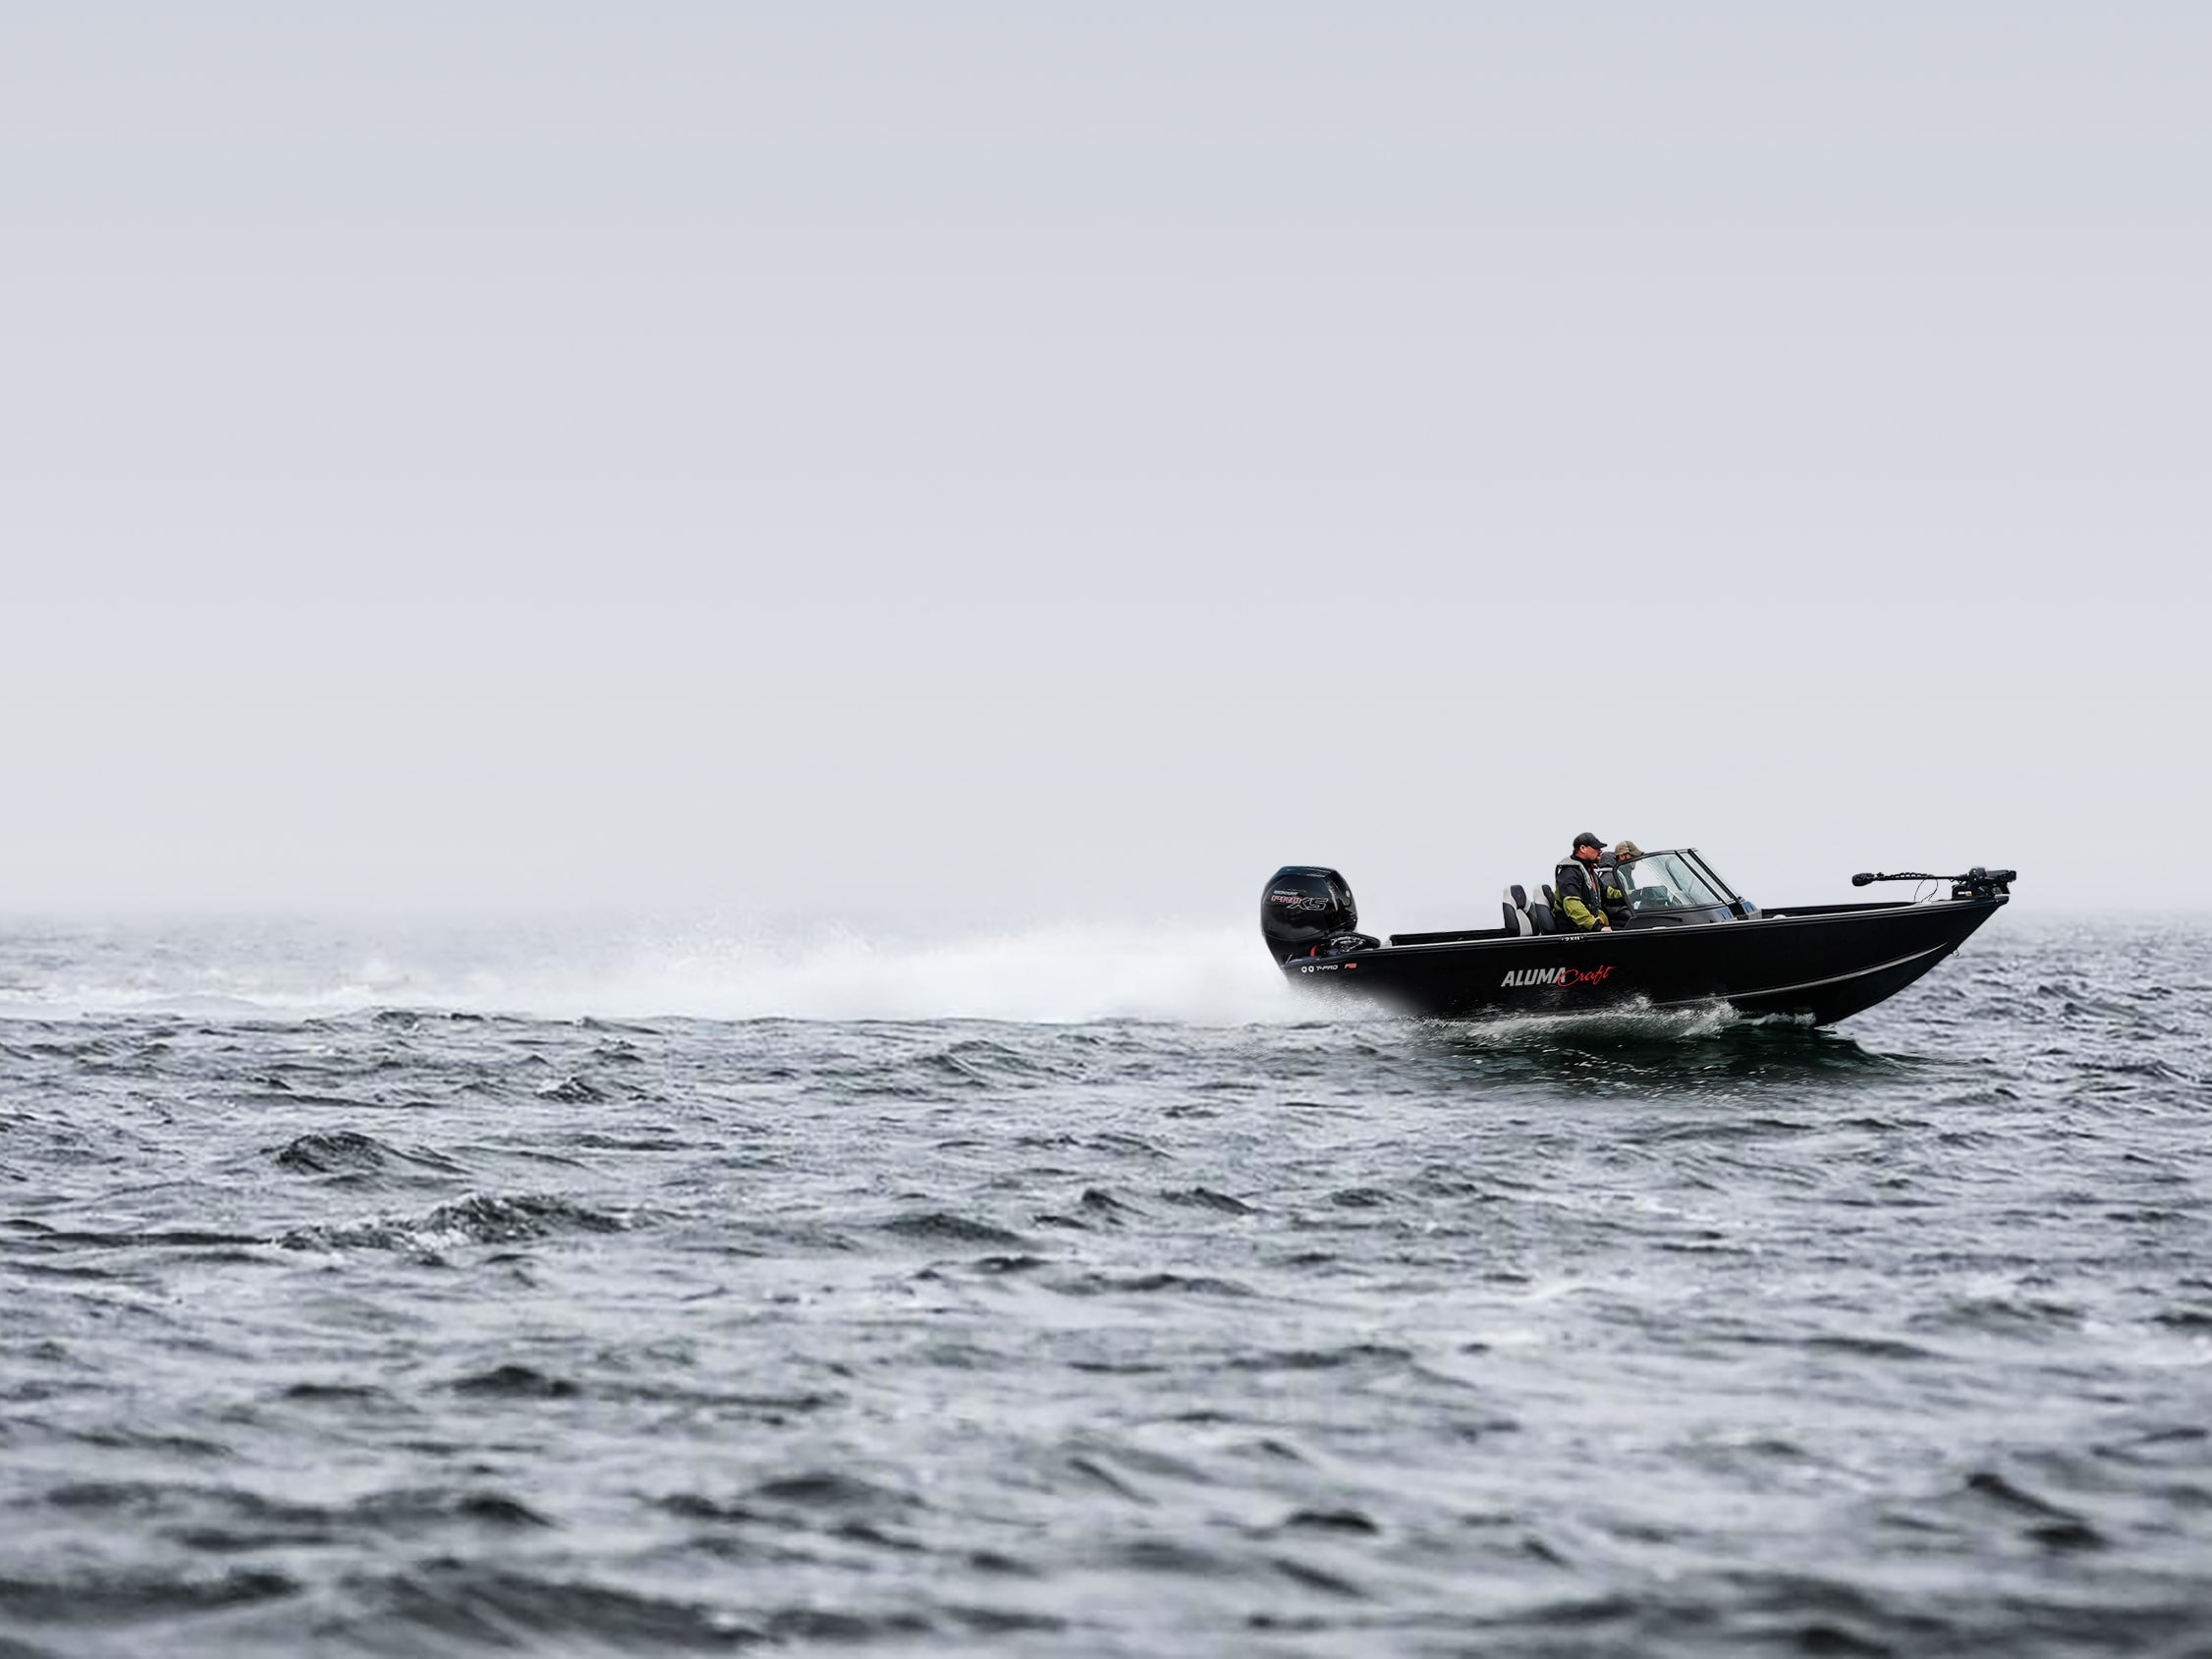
[1576, 881]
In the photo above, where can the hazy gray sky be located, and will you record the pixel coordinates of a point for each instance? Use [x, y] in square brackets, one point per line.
[898, 460]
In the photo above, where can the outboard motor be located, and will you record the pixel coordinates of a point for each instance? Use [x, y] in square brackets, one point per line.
[1307, 911]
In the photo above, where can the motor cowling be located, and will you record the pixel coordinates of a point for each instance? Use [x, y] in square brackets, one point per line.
[1305, 911]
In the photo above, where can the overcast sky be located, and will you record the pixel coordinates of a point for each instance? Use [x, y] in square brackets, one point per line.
[903, 463]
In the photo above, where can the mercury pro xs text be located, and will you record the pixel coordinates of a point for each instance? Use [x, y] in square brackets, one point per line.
[1685, 937]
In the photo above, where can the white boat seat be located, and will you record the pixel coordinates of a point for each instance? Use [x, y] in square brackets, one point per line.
[1516, 915]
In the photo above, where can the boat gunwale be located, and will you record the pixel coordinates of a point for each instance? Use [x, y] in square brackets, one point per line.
[1779, 918]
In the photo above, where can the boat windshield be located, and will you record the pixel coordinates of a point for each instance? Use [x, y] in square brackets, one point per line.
[1665, 881]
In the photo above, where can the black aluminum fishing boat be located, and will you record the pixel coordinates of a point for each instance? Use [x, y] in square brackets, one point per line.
[1683, 937]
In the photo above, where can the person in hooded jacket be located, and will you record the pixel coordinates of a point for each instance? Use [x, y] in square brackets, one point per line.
[1609, 876]
[1583, 893]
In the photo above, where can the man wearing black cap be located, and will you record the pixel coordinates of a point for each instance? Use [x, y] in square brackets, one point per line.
[1582, 891]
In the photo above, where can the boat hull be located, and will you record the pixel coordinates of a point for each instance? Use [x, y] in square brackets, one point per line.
[1823, 964]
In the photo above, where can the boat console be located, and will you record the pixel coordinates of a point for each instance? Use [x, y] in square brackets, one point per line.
[1677, 888]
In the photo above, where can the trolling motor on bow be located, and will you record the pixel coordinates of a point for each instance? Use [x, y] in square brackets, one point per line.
[1976, 883]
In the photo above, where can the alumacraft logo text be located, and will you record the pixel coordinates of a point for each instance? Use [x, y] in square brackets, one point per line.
[1558, 976]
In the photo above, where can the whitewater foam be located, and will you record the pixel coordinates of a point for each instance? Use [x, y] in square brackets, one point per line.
[1068, 975]
[1632, 1020]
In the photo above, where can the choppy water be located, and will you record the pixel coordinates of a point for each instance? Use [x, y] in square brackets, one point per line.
[430, 1329]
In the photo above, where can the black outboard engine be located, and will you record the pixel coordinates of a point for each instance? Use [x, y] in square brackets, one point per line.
[1306, 911]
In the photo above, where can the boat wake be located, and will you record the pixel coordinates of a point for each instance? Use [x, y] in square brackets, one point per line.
[1623, 1022]
[1184, 975]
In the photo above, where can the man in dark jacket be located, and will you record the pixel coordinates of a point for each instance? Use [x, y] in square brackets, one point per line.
[1609, 875]
[1583, 892]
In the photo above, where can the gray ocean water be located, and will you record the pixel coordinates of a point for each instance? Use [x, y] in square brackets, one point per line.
[356, 1309]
